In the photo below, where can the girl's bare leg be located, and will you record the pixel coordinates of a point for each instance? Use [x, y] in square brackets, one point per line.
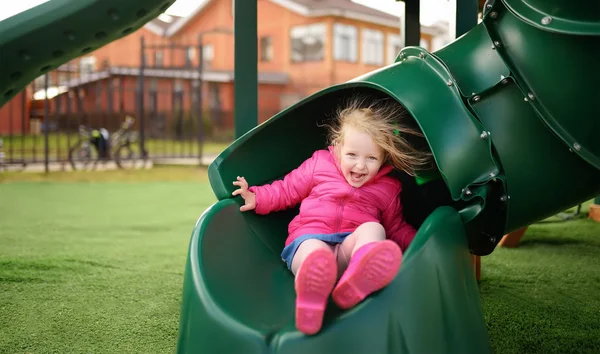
[372, 263]
[365, 233]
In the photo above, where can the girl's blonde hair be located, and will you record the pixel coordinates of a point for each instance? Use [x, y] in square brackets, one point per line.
[386, 122]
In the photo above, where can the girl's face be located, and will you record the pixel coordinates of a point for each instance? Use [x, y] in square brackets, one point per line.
[360, 157]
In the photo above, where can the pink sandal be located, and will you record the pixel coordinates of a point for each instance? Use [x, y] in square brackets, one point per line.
[314, 282]
[372, 267]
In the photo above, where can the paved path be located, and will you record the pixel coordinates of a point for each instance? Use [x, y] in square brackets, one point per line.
[107, 166]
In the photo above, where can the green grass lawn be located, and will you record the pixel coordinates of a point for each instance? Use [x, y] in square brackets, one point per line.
[92, 262]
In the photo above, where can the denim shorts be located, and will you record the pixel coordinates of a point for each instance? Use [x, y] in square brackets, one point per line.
[290, 250]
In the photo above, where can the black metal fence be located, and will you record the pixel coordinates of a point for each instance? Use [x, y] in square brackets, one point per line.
[170, 123]
[80, 111]
[81, 104]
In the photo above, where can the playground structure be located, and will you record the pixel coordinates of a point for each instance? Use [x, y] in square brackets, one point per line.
[510, 120]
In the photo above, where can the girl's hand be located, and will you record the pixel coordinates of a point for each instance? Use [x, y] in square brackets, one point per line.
[249, 197]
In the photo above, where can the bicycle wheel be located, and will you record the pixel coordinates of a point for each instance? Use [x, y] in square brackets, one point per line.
[83, 156]
[128, 156]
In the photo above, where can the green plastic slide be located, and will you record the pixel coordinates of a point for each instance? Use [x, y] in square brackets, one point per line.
[239, 295]
[43, 38]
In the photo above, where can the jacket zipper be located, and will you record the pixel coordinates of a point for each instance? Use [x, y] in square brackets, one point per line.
[340, 208]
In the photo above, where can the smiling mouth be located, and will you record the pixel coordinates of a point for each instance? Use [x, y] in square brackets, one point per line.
[357, 177]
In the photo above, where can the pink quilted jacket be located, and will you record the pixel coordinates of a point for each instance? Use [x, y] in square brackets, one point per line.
[329, 204]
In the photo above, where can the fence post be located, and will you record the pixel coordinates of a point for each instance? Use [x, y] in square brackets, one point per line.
[23, 131]
[68, 107]
[141, 98]
[46, 123]
[200, 111]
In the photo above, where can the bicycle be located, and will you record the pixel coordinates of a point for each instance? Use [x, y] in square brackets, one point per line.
[97, 145]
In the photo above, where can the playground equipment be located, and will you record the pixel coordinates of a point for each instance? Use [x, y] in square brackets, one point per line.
[507, 109]
[41, 39]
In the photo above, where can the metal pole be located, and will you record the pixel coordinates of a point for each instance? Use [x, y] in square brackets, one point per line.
[68, 107]
[141, 98]
[57, 109]
[23, 131]
[200, 131]
[11, 137]
[412, 23]
[466, 16]
[46, 123]
[245, 67]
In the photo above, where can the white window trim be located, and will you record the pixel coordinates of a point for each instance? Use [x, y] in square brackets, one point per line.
[393, 40]
[313, 27]
[373, 58]
[351, 31]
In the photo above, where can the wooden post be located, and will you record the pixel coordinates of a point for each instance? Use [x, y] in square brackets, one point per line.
[594, 212]
[476, 260]
[512, 239]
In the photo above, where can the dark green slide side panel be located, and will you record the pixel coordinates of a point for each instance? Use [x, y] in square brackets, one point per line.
[238, 295]
[43, 38]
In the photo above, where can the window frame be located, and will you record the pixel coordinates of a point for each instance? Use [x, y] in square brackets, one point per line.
[352, 50]
[368, 35]
[320, 26]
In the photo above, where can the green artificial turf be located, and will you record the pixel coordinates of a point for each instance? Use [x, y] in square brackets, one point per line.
[544, 295]
[94, 267]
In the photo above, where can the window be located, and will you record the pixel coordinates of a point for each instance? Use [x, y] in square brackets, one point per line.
[190, 55]
[40, 81]
[87, 65]
[178, 85]
[394, 45]
[266, 49]
[308, 43]
[62, 78]
[288, 99]
[344, 42]
[372, 47]
[208, 54]
[158, 58]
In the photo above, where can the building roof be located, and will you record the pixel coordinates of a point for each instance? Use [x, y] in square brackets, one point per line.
[317, 6]
[308, 8]
[162, 23]
[312, 8]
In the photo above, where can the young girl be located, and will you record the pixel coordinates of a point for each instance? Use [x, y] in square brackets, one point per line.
[350, 223]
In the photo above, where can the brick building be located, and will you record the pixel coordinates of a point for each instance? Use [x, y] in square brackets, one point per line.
[303, 46]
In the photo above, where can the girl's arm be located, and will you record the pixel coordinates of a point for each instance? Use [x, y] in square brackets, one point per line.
[286, 193]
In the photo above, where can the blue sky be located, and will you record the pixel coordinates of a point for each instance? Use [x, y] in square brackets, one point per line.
[431, 10]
